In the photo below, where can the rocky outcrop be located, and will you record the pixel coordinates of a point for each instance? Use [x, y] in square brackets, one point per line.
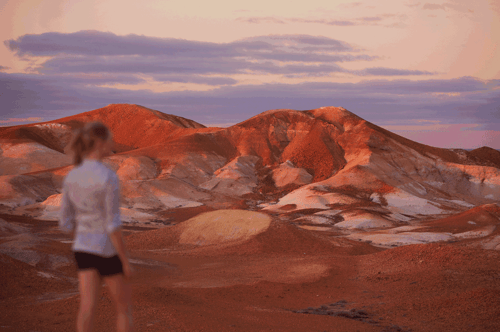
[282, 161]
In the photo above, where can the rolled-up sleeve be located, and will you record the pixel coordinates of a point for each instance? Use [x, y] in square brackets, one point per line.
[67, 213]
[113, 221]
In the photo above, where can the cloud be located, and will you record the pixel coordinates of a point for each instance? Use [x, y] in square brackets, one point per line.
[367, 20]
[380, 71]
[182, 66]
[350, 5]
[96, 43]
[430, 126]
[462, 7]
[260, 20]
[495, 5]
[371, 19]
[432, 6]
[412, 5]
[394, 102]
[195, 79]
[457, 85]
[220, 125]
[20, 120]
[378, 101]
[464, 136]
[343, 23]
[97, 53]
[72, 80]
[3, 68]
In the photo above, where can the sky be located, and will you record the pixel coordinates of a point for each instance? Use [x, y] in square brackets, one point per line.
[429, 71]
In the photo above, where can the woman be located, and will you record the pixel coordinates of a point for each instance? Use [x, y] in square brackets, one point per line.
[90, 211]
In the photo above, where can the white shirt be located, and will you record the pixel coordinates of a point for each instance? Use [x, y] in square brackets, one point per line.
[90, 207]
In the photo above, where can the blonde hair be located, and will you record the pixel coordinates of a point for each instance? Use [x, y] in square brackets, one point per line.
[84, 140]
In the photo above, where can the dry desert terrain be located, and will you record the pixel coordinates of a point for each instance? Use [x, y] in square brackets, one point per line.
[310, 220]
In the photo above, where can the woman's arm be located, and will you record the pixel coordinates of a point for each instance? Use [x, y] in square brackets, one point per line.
[113, 223]
[117, 240]
[67, 213]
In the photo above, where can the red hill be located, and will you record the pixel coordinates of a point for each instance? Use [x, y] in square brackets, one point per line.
[133, 127]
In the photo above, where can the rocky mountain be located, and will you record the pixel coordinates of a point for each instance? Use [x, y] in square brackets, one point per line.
[323, 169]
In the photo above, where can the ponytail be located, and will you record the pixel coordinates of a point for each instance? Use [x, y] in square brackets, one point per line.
[77, 147]
[84, 139]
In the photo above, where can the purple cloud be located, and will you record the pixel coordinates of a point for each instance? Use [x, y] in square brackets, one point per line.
[380, 102]
[288, 55]
[195, 79]
[323, 21]
[17, 121]
[380, 71]
[370, 20]
[185, 66]
[3, 68]
[92, 52]
[96, 43]
[82, 62]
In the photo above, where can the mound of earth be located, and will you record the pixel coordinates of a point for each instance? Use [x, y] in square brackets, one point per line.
[282, 161]
[479, 225]
[221, 227]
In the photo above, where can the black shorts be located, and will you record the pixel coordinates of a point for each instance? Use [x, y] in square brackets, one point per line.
[106, 266]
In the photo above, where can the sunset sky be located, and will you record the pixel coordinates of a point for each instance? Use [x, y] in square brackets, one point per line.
[429, 71]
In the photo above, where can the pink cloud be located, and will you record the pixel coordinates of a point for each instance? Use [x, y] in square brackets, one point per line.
[463, 136]
[432, 6]
[17, 120]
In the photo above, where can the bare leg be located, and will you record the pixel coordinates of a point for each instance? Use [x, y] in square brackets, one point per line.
[90, 286]
[121, 294]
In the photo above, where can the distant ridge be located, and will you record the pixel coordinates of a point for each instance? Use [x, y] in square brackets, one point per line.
[280, 160]
[133, 127]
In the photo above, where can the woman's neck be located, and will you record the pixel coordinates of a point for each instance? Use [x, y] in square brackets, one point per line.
[95, 155]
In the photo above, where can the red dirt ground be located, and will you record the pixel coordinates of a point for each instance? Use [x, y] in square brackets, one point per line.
[264, 283]
[284, 279]
[484, 215]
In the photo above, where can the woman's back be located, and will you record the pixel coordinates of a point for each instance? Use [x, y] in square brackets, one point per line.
[91, 207]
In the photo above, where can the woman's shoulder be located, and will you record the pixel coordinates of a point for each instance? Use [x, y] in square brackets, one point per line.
[108, 173]
[105, 171]
[91, 169]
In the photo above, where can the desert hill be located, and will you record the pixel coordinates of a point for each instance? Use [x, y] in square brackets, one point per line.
[133, 126]
[284, 222]
[343, 171]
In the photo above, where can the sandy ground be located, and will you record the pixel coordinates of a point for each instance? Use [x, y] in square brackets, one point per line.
[282, 279]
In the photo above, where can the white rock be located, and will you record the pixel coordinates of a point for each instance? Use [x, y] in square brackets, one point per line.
[403, 229]
[405, 203]
[485, 231]
[286, 174]
[128, 215]
[314, 219]
[307, 197]
[363, 220]
[328, 213]
[401, 239]
[237, 178]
